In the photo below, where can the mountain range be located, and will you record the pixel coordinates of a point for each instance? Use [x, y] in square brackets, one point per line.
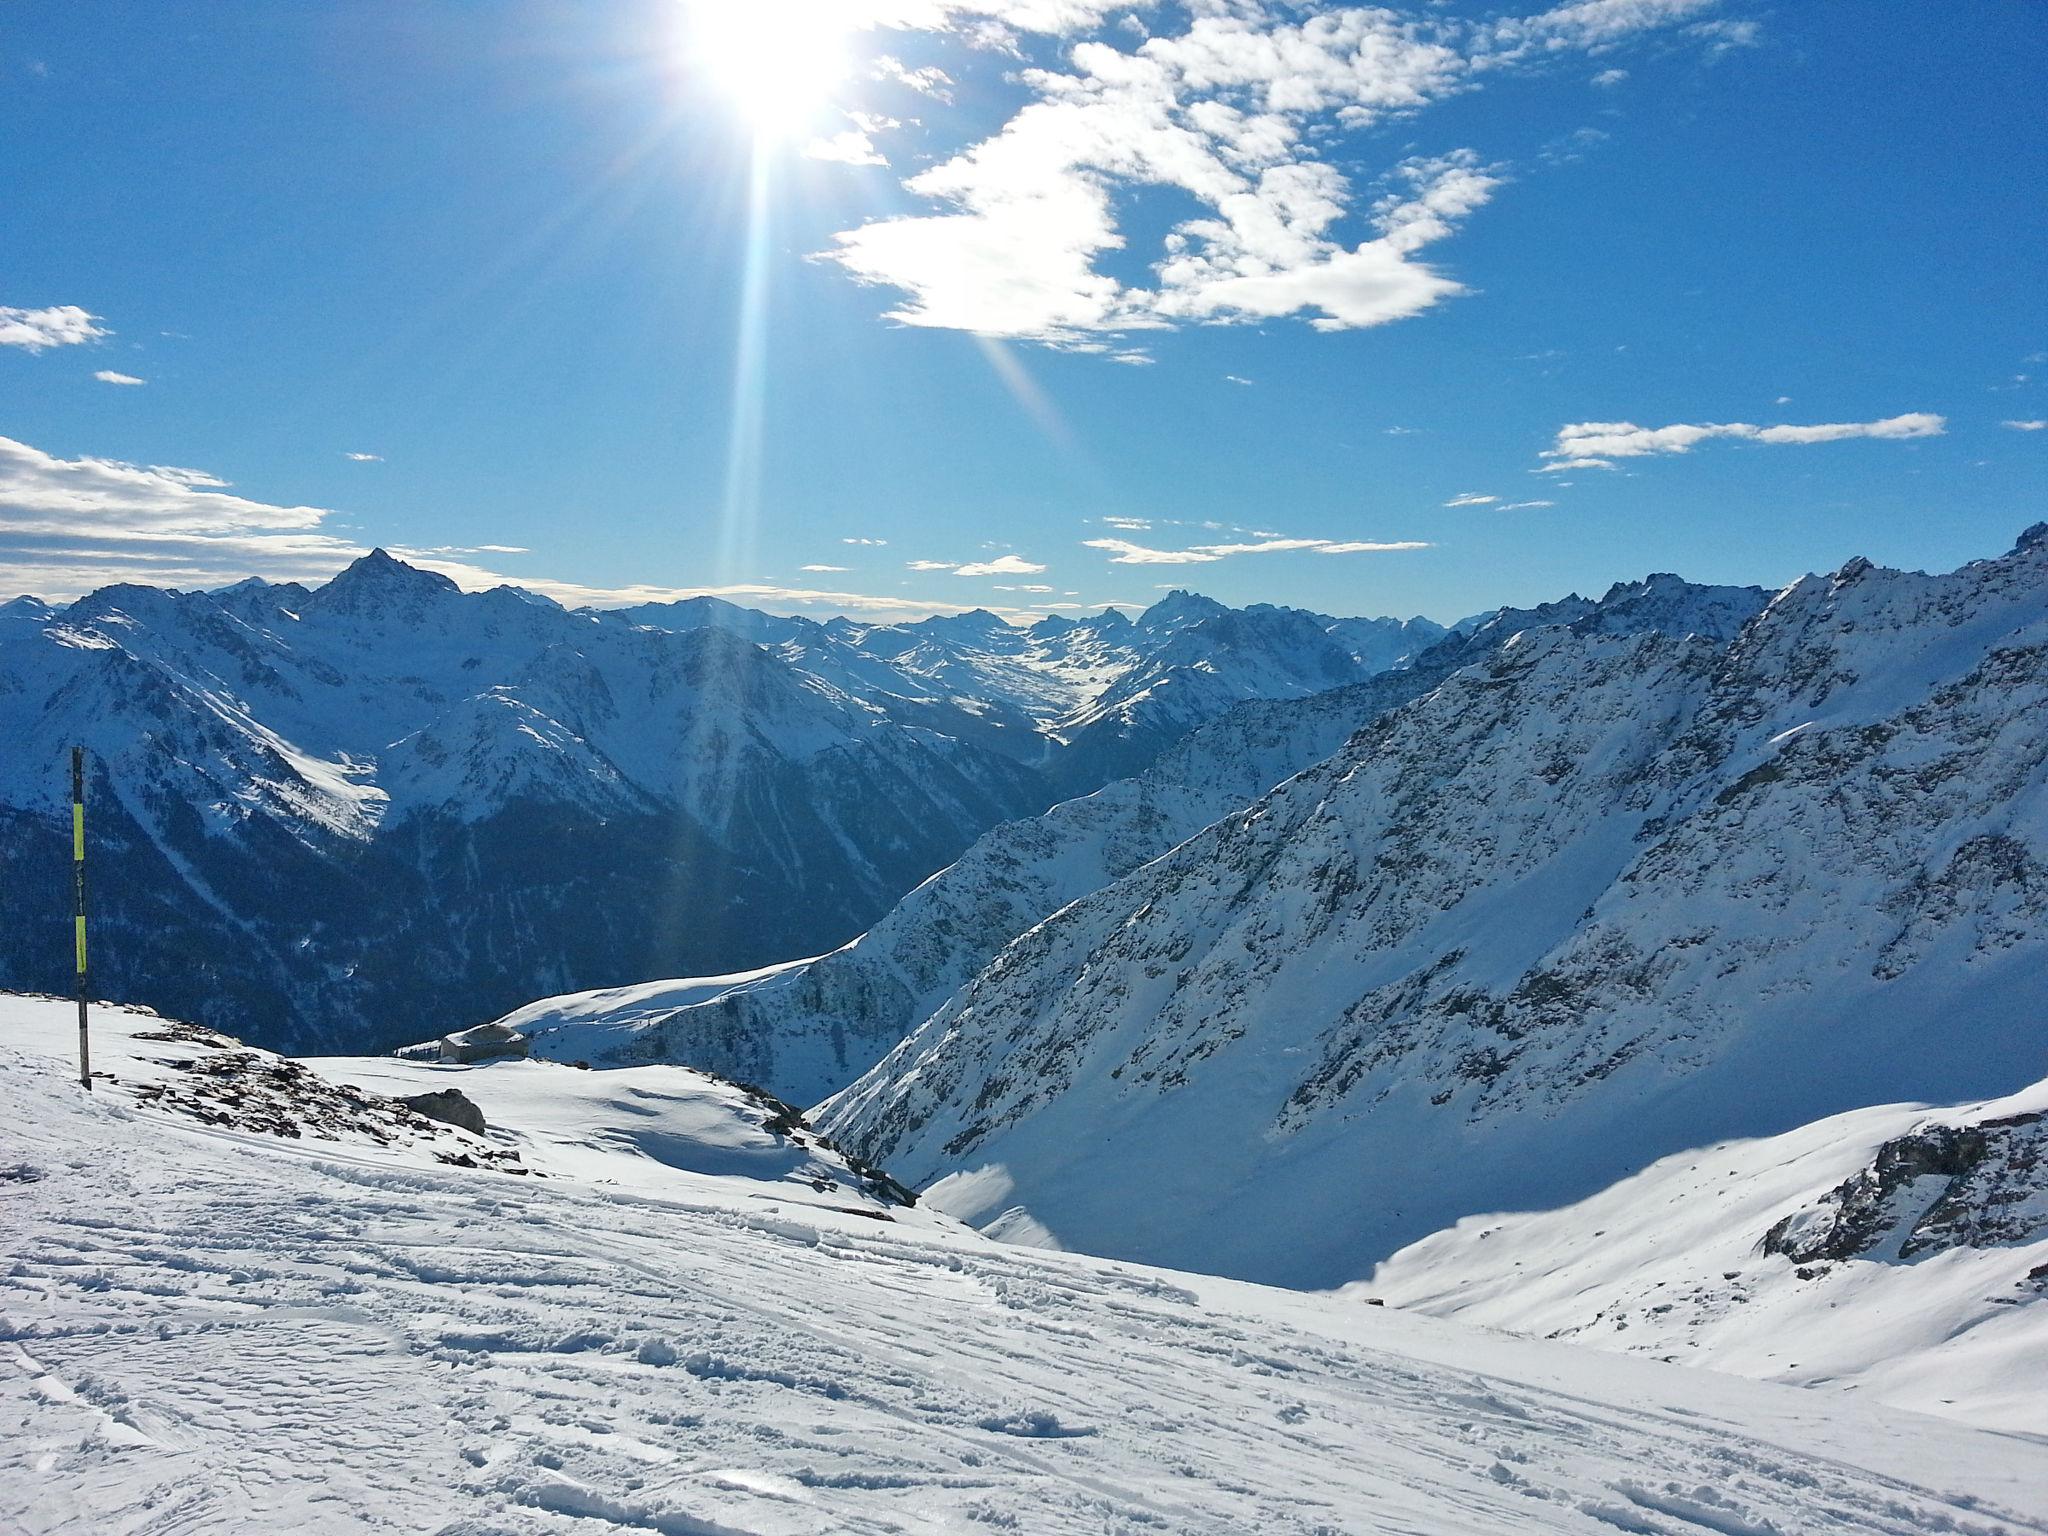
[1658, 971]
[808, 1029]
[1599, 897]
[353, 814]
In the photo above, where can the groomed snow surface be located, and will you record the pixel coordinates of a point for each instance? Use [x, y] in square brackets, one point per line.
[676, 1322]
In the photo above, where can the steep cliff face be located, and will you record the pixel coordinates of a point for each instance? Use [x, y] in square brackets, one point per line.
[1595, 899]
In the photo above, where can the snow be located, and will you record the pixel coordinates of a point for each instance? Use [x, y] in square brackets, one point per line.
[203, 1329]
[1569, 913]
[594, 1025]
[806, 1031]
[384, 796]
[1667, 1263]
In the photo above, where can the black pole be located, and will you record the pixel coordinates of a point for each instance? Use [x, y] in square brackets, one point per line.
[78, 910]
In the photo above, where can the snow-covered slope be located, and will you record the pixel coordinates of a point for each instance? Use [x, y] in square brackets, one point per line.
[1895, 1251]
[212, 1328]
[806, 1031]
[1596, 899]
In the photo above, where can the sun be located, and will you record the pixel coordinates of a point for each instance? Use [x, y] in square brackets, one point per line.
[776, 61]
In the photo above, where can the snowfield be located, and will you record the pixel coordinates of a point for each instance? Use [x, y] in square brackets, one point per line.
[665, 1325]
[1935, 1302]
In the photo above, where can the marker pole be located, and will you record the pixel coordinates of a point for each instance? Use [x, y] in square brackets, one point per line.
[78, 910]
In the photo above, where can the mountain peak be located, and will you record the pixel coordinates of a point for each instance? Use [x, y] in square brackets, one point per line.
[379, 580]
[1180, 607]
[975, 619]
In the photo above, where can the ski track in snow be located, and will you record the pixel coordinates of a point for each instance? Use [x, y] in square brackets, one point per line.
[208, 1331]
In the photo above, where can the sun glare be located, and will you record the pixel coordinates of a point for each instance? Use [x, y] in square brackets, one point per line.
[776, 61]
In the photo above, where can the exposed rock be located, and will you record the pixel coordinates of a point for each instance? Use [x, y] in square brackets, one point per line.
[449, 1105]
[1944, 1187]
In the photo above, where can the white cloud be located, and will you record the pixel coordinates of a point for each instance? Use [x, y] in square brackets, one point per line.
[108, 376]
[70, 526]
[1596, 444]
[822, 570]
[975, 17]
[1130, 524]
[36, 330]
[855, 145]
[867, 543]
[44, 494]
[1274, 546]
[365, 458]
[1591, 24]
[1517, 506]
[1002, 565]
[1231, 378]
[1231, 113]
[1608, 78]
[929, 80]
[1470, 499]
[2026, 426]
[1722, 37]
[1124, 552]
[848, 147]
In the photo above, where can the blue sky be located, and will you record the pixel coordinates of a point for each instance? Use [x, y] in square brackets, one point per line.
[1224, 295]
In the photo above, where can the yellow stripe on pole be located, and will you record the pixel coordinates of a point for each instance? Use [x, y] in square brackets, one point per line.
[78, 832]
[81, 944]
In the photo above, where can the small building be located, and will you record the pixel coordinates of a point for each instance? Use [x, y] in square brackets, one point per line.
[486, 1042]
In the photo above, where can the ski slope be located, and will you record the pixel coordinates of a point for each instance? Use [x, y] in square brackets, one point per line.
[209, 1329]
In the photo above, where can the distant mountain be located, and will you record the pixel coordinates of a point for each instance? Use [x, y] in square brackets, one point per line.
[320, 817]
[806, 1031]
[1602, 896]
[1087, 700]
[350, 815]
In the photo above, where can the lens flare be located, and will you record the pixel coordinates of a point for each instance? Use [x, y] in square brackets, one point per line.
[776, 61]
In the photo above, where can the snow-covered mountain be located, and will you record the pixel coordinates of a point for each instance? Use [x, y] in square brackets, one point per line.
[1894, 1251]
[321, 815]
[327, 815]
[1093, 699]
[635, 1302]
[1595, 899]
[807, 1030]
